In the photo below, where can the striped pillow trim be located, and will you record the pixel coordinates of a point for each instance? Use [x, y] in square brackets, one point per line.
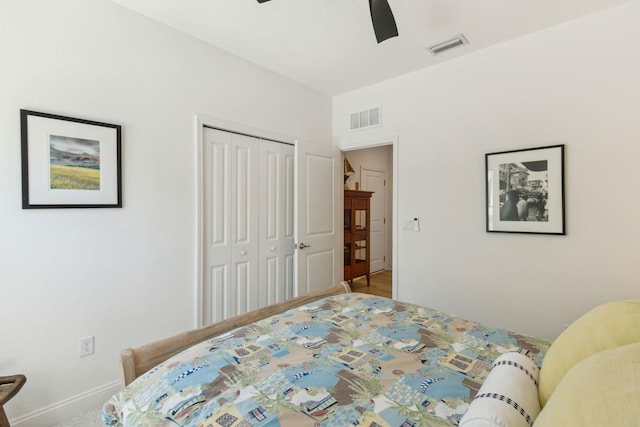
[509, 401]
[516, 365]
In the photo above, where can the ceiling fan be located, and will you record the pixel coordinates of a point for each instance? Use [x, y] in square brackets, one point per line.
[384, 25]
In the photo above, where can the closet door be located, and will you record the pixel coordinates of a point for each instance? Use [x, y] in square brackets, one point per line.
[231, 221]
[276, 222]
[255, 202]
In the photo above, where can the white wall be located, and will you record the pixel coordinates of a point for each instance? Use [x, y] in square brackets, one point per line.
[575, 84]
[125, 275]
[380, 159]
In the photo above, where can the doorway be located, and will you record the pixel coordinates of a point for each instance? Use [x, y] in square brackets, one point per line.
[373, 171]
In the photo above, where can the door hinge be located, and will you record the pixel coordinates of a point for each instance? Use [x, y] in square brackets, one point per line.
[384, 221]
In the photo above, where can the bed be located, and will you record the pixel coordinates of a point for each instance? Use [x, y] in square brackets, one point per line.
[332, 358]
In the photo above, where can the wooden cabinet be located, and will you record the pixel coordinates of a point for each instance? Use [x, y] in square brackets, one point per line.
[357, 205]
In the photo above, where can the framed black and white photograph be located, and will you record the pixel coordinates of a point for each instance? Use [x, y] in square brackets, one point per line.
[525, 191]
[69, 162]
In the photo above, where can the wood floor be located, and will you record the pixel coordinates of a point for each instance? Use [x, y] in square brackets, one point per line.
[380, 284]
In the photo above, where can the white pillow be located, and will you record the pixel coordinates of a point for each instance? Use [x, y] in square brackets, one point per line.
[509, 395]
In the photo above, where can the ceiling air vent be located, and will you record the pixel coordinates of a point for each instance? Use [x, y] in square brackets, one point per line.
[458, 40]
[365, 119]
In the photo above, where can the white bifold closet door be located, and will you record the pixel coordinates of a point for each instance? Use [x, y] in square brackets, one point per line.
[276, 229]
[248, 224]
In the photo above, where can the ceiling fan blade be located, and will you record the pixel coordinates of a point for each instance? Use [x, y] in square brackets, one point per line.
[384, 24]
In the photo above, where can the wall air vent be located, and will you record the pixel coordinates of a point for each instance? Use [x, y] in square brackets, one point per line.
[365, 119]
[456, 41]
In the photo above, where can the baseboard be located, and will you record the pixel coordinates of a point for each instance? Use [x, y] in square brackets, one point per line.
[71, 407]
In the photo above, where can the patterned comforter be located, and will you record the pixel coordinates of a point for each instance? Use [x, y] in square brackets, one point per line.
[351, 359]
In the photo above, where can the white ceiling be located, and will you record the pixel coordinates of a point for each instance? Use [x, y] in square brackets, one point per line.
[329, 45]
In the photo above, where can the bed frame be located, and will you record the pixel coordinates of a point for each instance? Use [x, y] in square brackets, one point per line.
[136, 361]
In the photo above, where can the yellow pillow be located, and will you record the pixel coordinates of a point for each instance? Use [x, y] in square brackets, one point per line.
[607, 326]
[602, 390]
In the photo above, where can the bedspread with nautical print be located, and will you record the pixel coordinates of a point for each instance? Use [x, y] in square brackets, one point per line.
[351, 359]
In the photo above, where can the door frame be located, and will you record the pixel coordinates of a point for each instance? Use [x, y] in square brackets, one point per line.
[200, 123]
[351, 145]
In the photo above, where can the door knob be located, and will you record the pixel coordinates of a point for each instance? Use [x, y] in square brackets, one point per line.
[302, 246]
[272, 248]
[243, 252]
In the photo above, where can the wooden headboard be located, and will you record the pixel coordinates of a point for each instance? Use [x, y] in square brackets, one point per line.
[136, 361]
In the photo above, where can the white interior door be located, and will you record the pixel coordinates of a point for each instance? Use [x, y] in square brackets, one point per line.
[373, 180]
[318, 203]
[276, 260]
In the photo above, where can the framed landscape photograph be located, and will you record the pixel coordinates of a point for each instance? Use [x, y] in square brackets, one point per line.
[69, 162]
[525, 191]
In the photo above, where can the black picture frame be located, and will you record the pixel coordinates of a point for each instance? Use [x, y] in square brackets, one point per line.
[534, 176]
[69, 162]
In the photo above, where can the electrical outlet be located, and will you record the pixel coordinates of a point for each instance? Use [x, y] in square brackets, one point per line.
[86, 346]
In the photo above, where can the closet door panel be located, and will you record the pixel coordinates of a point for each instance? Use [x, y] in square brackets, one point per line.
[245, 223]
[288, 227]
[230, 224]
[216, 224]
[270, 221]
